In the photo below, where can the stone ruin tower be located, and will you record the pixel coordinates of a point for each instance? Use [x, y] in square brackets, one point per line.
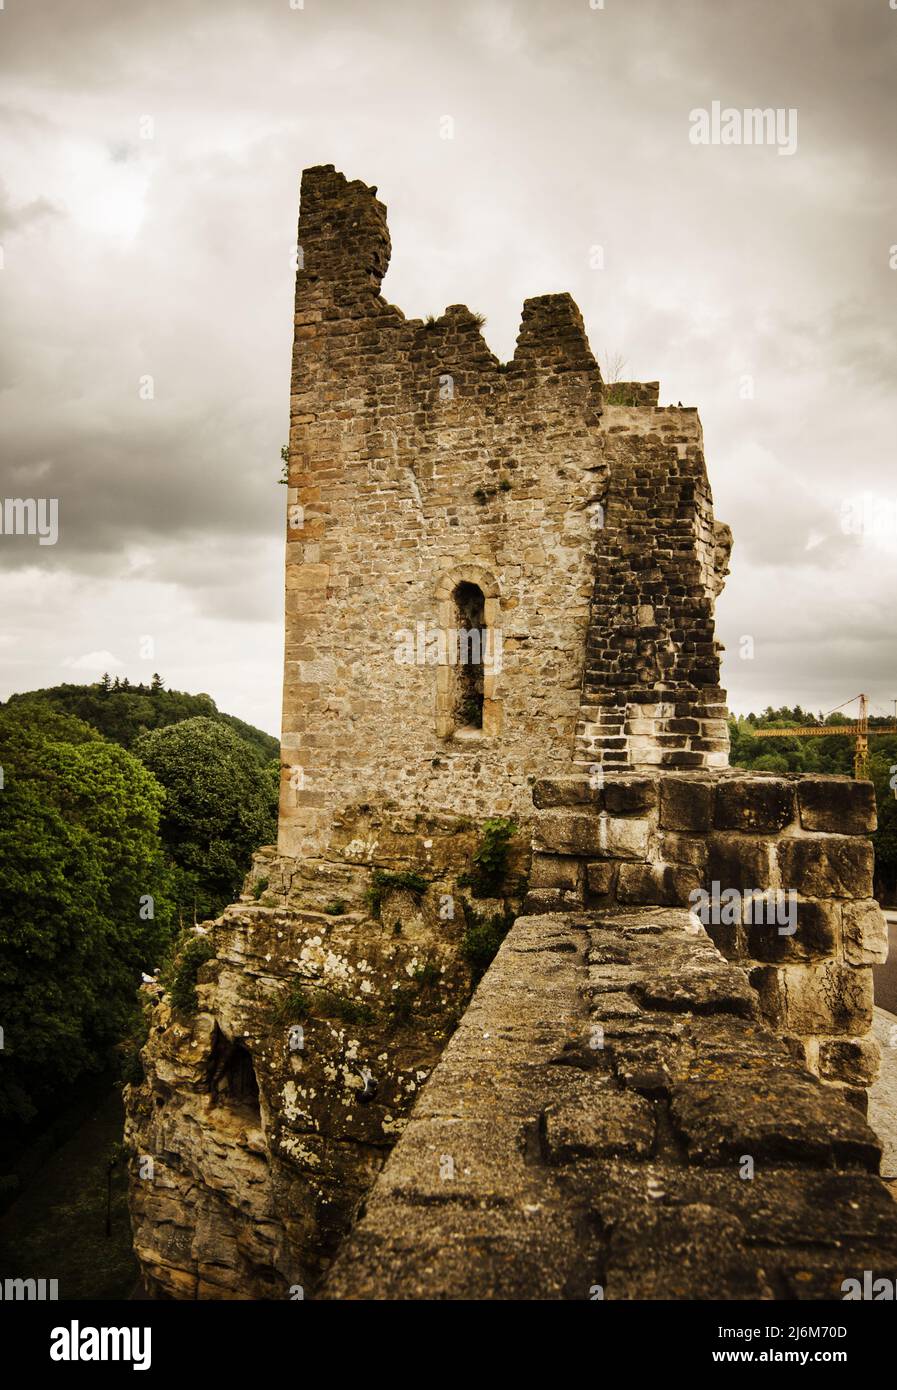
[502, 718]
[432, 485]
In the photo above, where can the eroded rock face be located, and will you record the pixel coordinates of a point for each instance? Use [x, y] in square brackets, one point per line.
[265, 1118]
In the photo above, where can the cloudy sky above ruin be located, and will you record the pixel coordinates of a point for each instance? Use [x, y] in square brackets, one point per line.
[148, 203]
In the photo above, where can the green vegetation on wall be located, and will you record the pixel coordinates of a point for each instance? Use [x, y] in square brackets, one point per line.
[489, 863]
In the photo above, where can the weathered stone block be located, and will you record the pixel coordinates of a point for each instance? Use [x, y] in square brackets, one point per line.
[612, 1123]
[551, 900]
[722, 990]
[826, 866]
[683, 849]
[625, 797]
[598, 836]
[600, 877]
[556, 871]
[783, 1116]
[768, 932]
[840, 805]
[815, 998]
[667, 885]
[753, 804]
[566, 832]
[611, 1005]
[738, 861]
[685, 804]
[864, 932]
[565, 791]
[854, 1061]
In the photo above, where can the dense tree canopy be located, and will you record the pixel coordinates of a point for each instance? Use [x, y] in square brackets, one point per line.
[220, 805]
[122, 712]
[84, 898]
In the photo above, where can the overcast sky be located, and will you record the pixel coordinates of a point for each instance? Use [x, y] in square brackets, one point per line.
[150, 177]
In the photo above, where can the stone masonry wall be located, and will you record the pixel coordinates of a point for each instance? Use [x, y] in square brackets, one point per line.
[639, 839]
[651, 693]
[612, 1120]
[419, 462]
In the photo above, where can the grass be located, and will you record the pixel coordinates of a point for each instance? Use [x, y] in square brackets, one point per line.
[303, 1001]
[481, 940]
[294, 1006]
[181, 979]
[383, 882]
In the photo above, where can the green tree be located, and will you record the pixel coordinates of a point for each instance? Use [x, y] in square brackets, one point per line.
[220, 805]
[83, 899]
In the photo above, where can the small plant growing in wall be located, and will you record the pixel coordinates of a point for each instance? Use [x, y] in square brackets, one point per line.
[317, 1000]
[180, 977]
[469, 712]
[259, 887]
[489, 865]
[402, 1005]
[383, 882]
[482, 938]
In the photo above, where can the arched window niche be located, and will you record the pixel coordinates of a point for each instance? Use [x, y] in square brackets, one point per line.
[468, 671]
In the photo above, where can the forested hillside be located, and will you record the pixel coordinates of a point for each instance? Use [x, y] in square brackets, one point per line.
[126, 816]
[122, 712]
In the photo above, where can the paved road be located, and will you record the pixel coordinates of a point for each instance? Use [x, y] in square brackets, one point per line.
[886, 975]
[883, 1097]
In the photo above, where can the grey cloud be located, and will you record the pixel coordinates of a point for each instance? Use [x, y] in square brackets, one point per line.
[170, 257]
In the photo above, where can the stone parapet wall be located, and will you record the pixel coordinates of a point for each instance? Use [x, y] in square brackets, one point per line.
[611, 1119]
[632, 839]
[632, 393]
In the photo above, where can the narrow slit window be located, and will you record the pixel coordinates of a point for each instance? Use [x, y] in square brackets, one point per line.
[469, 650]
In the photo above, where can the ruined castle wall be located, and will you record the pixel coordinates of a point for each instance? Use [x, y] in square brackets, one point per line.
[235, 1195]
[419, 462]
[651, 694]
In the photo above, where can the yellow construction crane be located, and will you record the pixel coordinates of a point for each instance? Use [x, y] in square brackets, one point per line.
[859, 730]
